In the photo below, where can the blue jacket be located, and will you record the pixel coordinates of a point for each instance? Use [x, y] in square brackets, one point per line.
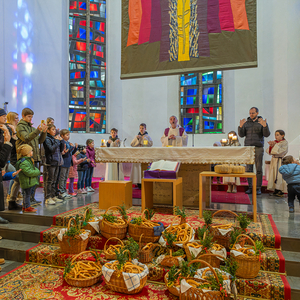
[290, 173]
[8, 176]
[84, 165]
[68, 156]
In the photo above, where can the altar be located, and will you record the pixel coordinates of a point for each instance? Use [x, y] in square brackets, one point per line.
[193, 161]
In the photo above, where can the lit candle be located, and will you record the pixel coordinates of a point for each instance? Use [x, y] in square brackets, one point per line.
[230, 136]
[103, 142]
[234, 138]
[224, 141]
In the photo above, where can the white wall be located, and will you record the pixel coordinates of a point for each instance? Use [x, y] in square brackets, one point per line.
[35, 32]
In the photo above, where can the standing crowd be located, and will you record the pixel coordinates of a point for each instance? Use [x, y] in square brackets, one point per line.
[24, 148]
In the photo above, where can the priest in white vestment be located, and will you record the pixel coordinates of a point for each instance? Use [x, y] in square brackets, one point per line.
[174, 135]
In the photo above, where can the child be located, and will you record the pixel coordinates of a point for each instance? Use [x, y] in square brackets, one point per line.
[73, 173]
[90, 153]
[232, 181]
[82, 170]
[68, 151]
[142, 139]
[290, 171]
[278, 149]
[53, 148]
[28, 176]
[114, 171]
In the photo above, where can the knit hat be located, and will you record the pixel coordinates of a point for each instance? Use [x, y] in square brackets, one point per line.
[24, 150]
[2, 112]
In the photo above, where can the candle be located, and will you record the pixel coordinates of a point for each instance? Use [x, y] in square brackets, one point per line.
[103, 142]
[224, 141]
[234, 138]
[145, 142]
[230, 136]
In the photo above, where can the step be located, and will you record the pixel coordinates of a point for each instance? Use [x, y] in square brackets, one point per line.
[19, 217]
[8, 266]
[290, 243]
[295, 287]
[292, 263]
[22, 232]
[14, 250]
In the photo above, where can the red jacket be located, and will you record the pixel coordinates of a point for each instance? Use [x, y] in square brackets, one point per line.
[90, 153]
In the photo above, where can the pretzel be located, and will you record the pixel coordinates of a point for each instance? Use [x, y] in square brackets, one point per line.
[127, 268]
[224, 226]
[112, 248]
[204, 272]
[192, 282]
[194, 245]
[217, 247]
[183, 232]
[84, 270]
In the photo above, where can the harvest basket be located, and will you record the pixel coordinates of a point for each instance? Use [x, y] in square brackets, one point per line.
[172, 289]
[117, 283]
[89, 226]
[72, 245]
[170, 260]
[146, 255]
[198, 294]
[108, 255]
[223, 240]
[135, 231]
[84, 282]
[109, 229]
[211, 259]
[248, 266]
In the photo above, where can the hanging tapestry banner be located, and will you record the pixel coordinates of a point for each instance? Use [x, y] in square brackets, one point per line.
[167, 37]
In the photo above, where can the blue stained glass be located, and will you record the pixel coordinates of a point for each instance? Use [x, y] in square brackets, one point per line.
[97, 25]
[80, 103]
[210, 76]
[220, 89]
[204, 99]
[209, 118]
[97, 61]
[191, 92]
[189, 100]
[211, 90]
[83, 5]
[194, 80]
[73, 102]
[72, 75]
[99, 83]
[219, 74]
[211, 125]
[188, 82]
[82, 74]
[94, 74]
[71, 110]
[182, 78]
[206, 125]
[181, 101]
[104, 122]
[205, 91]
[181, 93]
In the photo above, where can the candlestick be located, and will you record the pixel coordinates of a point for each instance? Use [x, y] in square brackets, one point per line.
[230, 136]
[234, 138]
[224, 142]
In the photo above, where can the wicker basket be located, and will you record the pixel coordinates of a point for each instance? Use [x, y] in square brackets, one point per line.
[223, 240]
[108, 255]
[187, 251]
[83, 282]
[170, 260]
[88, 226]
[146, 256]
[70, 245]
[248, 266]
[172, 289]
[117, 284]
[198, 294]
[109, 230]
[211, 259]
[135, 231]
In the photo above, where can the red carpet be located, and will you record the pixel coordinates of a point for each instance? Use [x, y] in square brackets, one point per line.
[224, 197]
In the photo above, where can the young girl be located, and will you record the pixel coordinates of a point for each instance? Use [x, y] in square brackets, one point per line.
[278, 149]
[90, 153]
[232, 181]
[73, 173]
[82, 169]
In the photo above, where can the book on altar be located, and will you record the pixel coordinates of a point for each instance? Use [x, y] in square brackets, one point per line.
[164, 165]
[163, 169]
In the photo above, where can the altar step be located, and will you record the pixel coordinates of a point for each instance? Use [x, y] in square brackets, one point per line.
[8, 266]
[295, 287]
[33, 219]
[14, 250]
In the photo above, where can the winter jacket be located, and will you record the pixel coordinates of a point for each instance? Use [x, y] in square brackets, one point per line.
[90, 153]
[254, 133]
[290, 173]
[73, 169]
[67, 157]
[140, 142]
[53, 149]
[115, 142]
[83, 166]
[13, 155]
[8, 176]
[29, 135]
[28, 177]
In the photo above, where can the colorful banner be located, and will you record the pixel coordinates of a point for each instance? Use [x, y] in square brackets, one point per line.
[165, 37]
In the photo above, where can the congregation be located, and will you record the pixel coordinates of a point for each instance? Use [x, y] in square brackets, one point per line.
[25, 149]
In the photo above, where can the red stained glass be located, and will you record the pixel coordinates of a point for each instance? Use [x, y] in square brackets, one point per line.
[77, 125]
[97, 116]
[97, 120]
[98, 53]
[193, 111]
[80, 46]
[83, 23]
[211, 110]
[102, 26]
[73, 4]
[92, 96]
[92, 126]
[204, 111]
[93, 7]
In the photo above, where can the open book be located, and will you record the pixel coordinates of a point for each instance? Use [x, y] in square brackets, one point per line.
[164, 165]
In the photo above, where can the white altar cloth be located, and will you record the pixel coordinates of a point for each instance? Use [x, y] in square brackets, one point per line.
[185, 155]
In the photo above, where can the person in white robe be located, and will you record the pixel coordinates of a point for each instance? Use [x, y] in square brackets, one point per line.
[114, 171]
[174, 135]
[142, 139]
[278, 149]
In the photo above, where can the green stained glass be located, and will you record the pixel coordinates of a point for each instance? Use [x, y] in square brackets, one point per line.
[219, 126]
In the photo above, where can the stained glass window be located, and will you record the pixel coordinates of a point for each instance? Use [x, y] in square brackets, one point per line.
[201, 102]
[78, 112]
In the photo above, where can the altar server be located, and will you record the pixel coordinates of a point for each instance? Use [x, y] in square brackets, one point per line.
[174, 135]
[142, 139]
[278, 149]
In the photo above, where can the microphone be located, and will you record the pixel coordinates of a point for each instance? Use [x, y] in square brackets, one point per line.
[124, 142]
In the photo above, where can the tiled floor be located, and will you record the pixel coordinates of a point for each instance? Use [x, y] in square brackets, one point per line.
[287, 224]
